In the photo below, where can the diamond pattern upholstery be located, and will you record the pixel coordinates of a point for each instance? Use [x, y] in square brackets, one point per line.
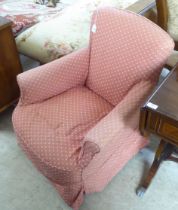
[77, 118]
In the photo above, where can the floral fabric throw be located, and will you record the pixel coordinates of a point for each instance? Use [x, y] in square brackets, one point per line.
[25, 13]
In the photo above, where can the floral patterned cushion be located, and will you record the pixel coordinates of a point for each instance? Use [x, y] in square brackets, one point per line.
[69, 31]
[25, 13]
[173, 18]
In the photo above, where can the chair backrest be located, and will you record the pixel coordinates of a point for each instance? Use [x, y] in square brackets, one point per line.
[167, 11]
[125, 49]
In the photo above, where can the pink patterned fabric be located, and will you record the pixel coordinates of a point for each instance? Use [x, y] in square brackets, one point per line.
[121, 117]
[118, 138]
[55, 137]
[77, 118]
[54, 78]
[138, 50]
[26, 13]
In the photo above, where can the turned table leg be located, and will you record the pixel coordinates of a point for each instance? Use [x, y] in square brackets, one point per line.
[163, 152]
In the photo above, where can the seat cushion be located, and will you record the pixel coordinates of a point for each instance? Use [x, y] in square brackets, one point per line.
[51, 132]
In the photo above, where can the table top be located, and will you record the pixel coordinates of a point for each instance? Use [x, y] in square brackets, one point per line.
[164, 99]
[4, 22]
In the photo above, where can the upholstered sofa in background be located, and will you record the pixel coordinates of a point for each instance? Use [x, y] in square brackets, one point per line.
[77, 118]
[167, 11]
[25, 13]
[66, 32]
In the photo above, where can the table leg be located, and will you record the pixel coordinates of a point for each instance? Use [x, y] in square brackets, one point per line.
[163, 152]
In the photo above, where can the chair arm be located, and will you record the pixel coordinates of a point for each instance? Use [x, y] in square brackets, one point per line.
[124, 117]
[54, 78]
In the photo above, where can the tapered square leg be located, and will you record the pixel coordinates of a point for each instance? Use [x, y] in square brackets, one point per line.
[163, 152]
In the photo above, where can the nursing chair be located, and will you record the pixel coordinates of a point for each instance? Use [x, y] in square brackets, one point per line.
[77, 118]
[167, 17]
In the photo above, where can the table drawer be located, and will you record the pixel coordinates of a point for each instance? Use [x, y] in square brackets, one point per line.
[152, 121]
[168, 130]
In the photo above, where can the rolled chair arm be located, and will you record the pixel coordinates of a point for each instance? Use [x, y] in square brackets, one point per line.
[53, 78]
[119, 125]
[124, 116]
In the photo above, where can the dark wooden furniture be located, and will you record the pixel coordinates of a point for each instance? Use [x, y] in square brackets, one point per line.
[159, 116]
[163, 16]
[9, 66]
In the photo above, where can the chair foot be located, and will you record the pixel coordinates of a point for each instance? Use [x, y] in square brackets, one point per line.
[140, 192]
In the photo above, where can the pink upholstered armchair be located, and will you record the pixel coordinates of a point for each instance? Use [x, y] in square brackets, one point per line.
[77, 118]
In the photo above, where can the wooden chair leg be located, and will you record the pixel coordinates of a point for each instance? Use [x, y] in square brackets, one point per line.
[163, 152]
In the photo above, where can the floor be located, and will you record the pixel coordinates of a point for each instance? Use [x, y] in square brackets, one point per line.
[22, 187]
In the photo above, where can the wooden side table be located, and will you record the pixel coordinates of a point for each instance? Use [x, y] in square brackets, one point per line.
[9, 66]
[159, 116]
